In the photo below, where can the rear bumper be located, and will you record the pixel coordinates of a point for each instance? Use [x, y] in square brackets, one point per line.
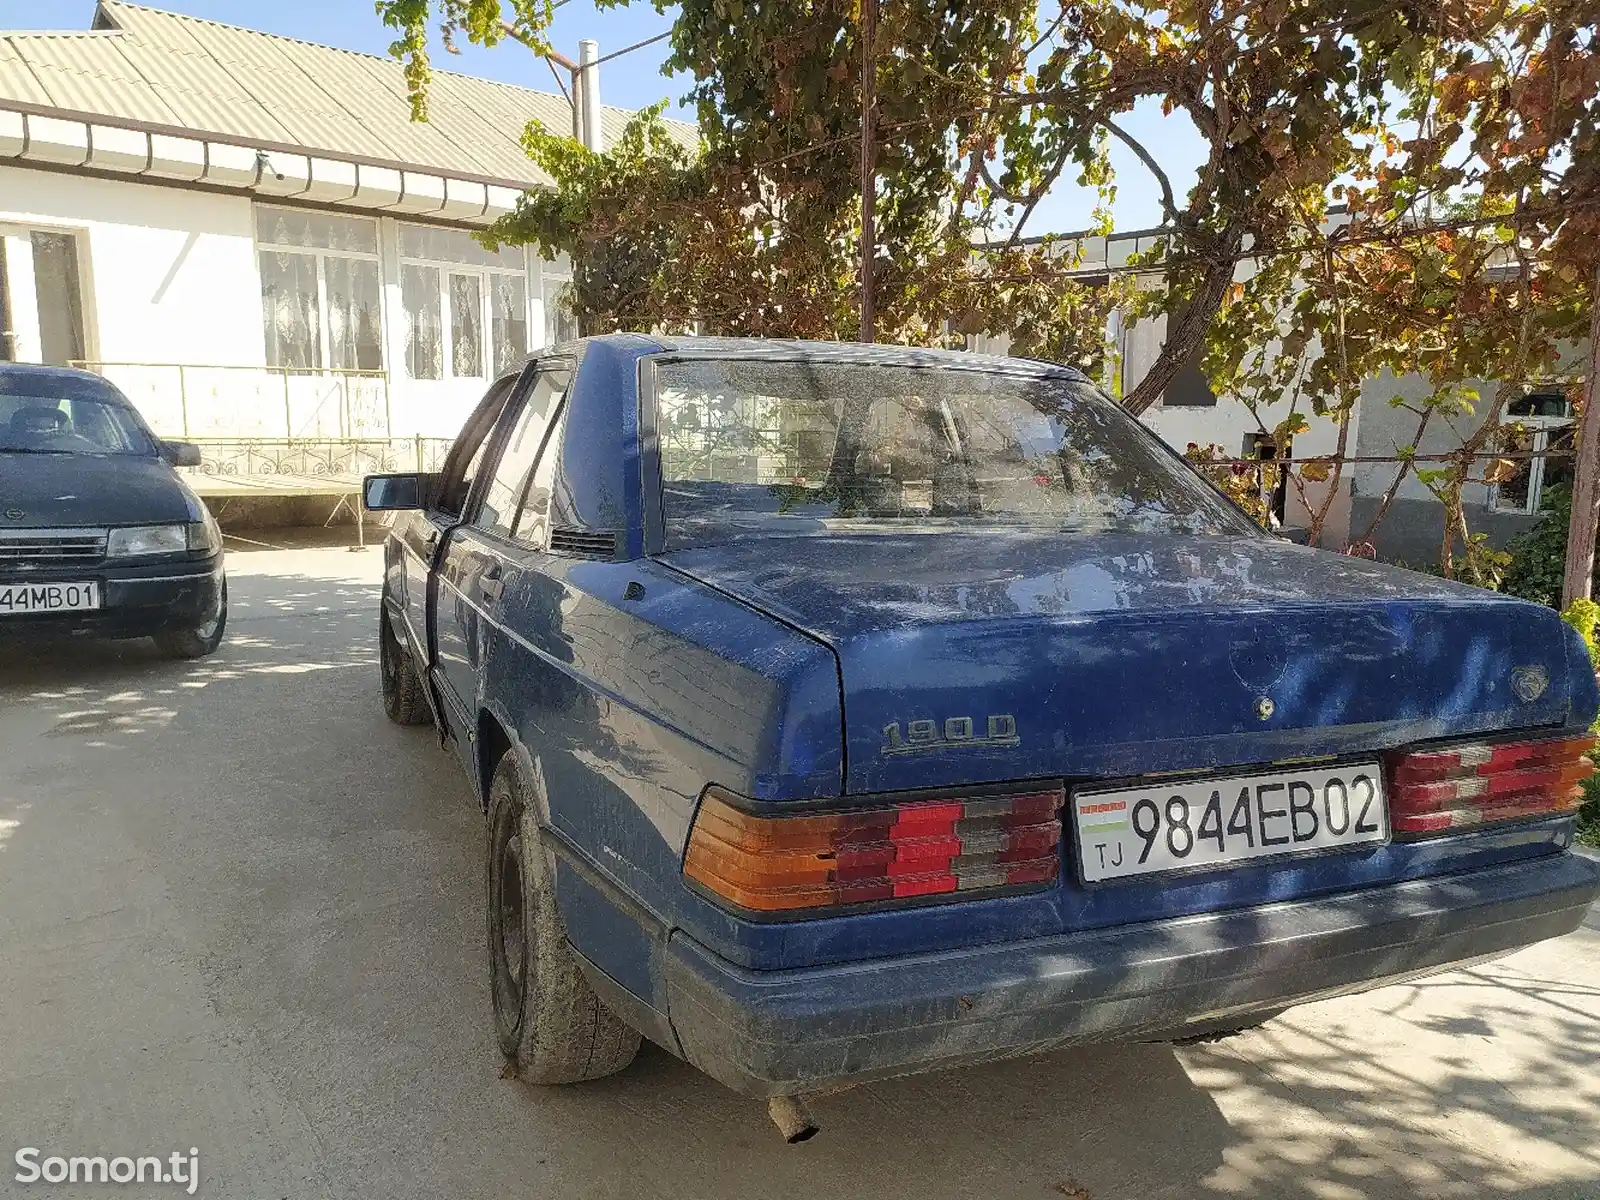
[783, 1032]
[136, 601]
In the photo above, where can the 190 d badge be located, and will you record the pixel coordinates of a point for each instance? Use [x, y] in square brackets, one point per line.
[957, 733]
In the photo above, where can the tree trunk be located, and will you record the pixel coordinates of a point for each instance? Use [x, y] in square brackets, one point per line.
[1190, 332]
[869, 160]
[1577, 582]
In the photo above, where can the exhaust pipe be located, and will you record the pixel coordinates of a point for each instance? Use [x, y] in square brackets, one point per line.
[793, 1118]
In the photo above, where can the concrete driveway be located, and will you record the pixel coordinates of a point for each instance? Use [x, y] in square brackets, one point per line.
[240, 912]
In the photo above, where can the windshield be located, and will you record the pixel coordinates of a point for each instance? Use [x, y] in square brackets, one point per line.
[781, 447]
[47, 415]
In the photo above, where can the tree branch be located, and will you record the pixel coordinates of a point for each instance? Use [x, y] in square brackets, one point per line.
[1399, 478]
[1168, 204]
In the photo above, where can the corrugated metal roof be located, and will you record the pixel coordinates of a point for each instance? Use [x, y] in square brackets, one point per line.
[142, 64]
[89, 74]
[17, 78]
[490, 117]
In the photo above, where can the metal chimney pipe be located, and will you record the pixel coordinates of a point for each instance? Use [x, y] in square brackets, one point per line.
[586, 94]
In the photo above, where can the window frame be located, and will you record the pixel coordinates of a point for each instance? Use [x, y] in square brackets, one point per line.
[554, 279]
[23, 338]
[445, 268]
[511, 415]
[557, 424]
[324, 331]
[1539, 430]
[71, 291]
[480, 430]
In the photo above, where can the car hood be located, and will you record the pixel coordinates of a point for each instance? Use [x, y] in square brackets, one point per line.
[1118, 655]
[83, 489]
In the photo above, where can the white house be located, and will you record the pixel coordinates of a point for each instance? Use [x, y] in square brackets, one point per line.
[1537, 425]
[250, 235]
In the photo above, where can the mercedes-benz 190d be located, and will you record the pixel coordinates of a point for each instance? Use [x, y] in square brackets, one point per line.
[841, 712]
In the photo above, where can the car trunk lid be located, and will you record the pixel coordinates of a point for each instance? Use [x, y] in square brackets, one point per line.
[969, 659]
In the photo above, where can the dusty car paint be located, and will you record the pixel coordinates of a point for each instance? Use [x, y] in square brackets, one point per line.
[628, 681]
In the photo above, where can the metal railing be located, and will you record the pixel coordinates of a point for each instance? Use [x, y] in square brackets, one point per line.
[312, 459]
[194, 400]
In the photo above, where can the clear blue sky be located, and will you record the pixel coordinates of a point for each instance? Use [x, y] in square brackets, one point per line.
[632, 81]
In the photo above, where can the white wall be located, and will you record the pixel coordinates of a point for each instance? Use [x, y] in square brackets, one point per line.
[169, 275]
[1385, 428]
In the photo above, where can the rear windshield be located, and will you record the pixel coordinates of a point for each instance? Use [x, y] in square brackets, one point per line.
[788, 447]
[52, 415]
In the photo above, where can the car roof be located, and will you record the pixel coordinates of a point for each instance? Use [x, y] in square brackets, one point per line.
[796, 349]
[45, 371]
[38, 380]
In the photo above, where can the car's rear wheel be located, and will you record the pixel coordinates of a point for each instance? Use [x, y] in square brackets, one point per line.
[549, 1021]
[403, 700]
[201, 640]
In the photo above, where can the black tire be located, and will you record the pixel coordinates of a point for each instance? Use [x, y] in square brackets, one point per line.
[549, 1022]
[1221, 1031]
[403, 700]
[199, 642]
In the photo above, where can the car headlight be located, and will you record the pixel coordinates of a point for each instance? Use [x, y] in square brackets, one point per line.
[205, 537]
[137, 540]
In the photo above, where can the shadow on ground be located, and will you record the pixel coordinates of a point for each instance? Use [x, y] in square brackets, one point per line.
[316, 872]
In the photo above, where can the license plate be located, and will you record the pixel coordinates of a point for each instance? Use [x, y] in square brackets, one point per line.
[1201, 823]
[19, 598]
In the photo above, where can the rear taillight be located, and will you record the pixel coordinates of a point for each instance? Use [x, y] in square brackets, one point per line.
[902, 850]
[1476, 784]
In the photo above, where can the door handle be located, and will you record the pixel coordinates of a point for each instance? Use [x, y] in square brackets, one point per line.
[489, 582]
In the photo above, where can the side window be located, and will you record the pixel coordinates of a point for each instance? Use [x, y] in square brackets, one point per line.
[498, 514]
[466, 456]
[534, 525]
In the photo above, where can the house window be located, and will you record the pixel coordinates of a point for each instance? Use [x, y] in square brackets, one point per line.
[466, 307]
[1539, 425]
[560, 325]
[419, 296]
[320, 293]
[41, 297]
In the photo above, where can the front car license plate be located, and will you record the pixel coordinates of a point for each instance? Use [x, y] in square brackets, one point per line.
[1181, 825]
[19, 598]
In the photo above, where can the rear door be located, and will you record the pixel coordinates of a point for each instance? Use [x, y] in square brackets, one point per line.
[472, 569]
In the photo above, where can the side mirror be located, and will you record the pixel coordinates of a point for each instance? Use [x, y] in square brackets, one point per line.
[396, 493]
[181, 454]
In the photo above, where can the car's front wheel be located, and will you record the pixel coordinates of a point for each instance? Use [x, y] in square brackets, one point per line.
[549, 1021]
[403, 701]
[201, 640]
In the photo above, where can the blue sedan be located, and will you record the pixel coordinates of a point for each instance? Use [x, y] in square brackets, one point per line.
[841, 712]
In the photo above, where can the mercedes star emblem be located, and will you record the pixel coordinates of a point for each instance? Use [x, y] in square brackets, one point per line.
[1529, 683]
